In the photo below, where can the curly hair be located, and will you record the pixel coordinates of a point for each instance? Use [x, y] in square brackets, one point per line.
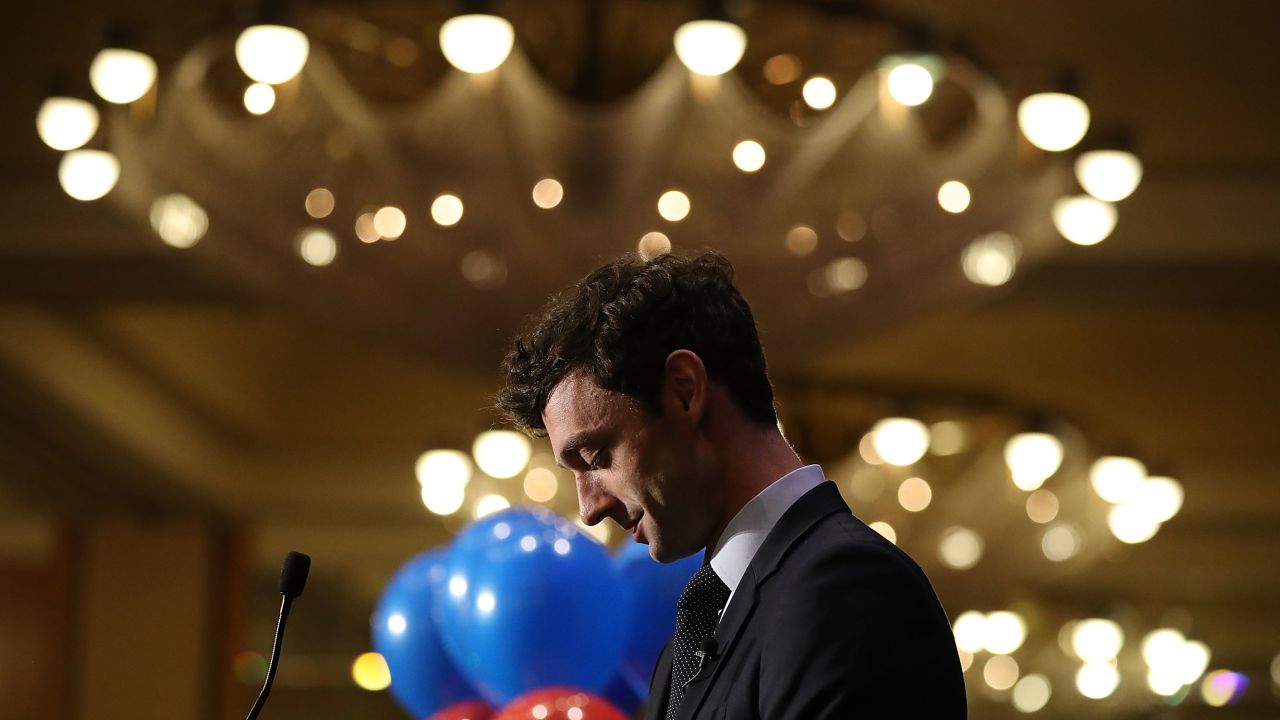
[620, 322]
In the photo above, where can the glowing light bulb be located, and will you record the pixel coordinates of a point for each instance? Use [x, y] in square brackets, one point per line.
[476, 43]
[88, 174]
[673, 205]
[272, 54]
[1110, 175]
[1084, 220]
[121, 76]
[991, 259]
[819, 92]
[66, 123]
[178, 220]
[501, 453]
[910, 84]
[317, 246]
[446, 210]
[710, 47]
[1053, 121]
[900, 440]
[1032, 457]
[1116, 479]
[749, 156]
[954, 196]
[259, 98]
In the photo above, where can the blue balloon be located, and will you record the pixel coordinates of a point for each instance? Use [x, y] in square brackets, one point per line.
[528, 600]
[423, 678]
[623, 696]
[653, 588]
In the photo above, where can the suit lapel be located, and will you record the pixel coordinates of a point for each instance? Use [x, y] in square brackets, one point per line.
[814, 505]
[656, 707]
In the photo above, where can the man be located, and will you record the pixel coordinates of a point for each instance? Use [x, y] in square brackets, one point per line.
[649, 380]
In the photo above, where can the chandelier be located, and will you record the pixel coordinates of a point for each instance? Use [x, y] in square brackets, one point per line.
[394, 157]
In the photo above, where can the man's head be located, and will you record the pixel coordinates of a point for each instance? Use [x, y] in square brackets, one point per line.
[629, 373]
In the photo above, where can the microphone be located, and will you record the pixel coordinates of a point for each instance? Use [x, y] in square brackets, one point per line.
[293, 577]
[707, 650]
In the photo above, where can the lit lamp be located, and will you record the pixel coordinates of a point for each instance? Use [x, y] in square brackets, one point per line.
[66, 123]
[1054, 121]
[1110, 170]
[476, 42]
[269, 51]
[120, 73]
[711, 45]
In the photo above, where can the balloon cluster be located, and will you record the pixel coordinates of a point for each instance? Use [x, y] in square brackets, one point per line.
[525, 616]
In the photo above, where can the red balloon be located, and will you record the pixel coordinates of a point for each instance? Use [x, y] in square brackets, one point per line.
[465, 710]
[559, 703]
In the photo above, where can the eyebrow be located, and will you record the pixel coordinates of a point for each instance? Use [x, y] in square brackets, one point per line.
[576, 441]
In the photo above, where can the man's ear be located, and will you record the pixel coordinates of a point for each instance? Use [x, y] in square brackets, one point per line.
[684, 383]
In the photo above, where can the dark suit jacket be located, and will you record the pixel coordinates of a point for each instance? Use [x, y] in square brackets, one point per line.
[831, 620]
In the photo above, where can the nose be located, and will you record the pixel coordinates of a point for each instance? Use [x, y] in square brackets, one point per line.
[595, 503]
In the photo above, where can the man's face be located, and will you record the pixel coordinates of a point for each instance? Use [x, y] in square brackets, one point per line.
[645, 473]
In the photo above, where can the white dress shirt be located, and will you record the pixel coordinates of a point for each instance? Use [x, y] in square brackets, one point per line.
[746, 532]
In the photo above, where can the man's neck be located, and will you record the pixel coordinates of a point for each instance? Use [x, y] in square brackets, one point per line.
[750, 462]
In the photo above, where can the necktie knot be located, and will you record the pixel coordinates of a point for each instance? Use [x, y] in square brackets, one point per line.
[705, 589]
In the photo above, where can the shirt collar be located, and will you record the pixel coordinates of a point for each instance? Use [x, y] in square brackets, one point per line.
[746, 532]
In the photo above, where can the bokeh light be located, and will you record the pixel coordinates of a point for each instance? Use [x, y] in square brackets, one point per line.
[960, 548]
[782, 69]
[1097, 680]
[547, 193]
[317, 246]
[446, 209]
[910, 84]
[970, 630]
[748, 156]
[88, 174]
[370, 672]
[1053, 121]
[1221, 688]
[886, 530]
[501, 453]
[1097, 640]
[272, 54]
[954, 196]
[991, 259]
[389, 222]
[1110, 175]
[652, 244]
[540, 484]
[710, 47]
[66, 123]
[319, 203]
[121, 76]
[801, 240]
[1042, 506]
[1115, 478]
[1083, 219]
[673, 205]
[914, 494]
[1031, 693]
[476, 43]
[1000, 672]
[259, 98]
[490, 504]
[1061, 542]
[178, 220]
[1031, 458]
[900, 440]
[819, 92]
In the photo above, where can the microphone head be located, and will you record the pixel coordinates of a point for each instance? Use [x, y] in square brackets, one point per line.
[293, 575]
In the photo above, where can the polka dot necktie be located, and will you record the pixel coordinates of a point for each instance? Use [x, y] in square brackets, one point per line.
[697, 613]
